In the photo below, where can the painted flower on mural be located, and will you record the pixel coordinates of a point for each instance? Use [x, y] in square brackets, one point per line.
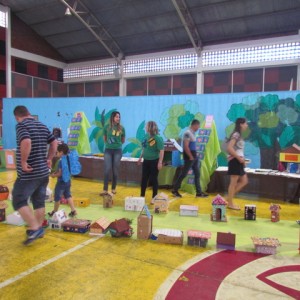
[97, 133]
[274, 124]
[134, 147]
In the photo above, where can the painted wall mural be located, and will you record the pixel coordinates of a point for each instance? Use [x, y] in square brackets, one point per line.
[274, 119]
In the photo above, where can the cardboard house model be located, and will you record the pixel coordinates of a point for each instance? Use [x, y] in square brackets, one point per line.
[275, 212]
[226, 240]
[265, 245]
[108, 200]
[120, 228]
[218, 209]
[99, 227]
[161, 203]
[55, 222]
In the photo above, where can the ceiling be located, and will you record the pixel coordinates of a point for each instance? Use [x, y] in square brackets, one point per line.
[98, 29]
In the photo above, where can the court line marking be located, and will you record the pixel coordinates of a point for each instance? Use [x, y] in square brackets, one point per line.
[46, 263]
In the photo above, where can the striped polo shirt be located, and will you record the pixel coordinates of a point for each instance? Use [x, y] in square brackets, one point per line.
[40, 137]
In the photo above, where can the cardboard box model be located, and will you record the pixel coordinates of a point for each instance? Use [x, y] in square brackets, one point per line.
[120, 228]
[108, 200]
[161, 203]
[265, 245]
[76, 225]
[3, 206]
[198, 238]
[250, 212]
[81, 202]
[219, 209]
[275, 212]
[99, 227]
[188, 210]
[55, 222]
[134, 203]
[15, 219]
[169, 236]
[226, 240]
[144, 224]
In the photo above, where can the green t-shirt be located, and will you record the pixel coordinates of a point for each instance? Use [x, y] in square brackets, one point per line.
[152, 146]
[114, 137]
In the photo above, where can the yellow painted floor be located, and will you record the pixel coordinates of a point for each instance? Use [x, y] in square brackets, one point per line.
[77, 266]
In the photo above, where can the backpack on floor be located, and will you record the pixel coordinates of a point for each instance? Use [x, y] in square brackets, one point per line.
[70, 165]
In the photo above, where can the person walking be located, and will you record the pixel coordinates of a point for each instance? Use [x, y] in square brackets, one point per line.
[114, 137]
[236, 162]
[33, 163]
[63, 183]
[191, 160]
[153, 154]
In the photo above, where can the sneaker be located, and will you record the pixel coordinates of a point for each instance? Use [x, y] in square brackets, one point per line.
[73, 213]
[33, 235]
[201, 195]
[176, 194]
[30, 232]
[50, 214]
[103, 193]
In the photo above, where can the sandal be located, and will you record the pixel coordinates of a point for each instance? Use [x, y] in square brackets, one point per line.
[103, 193]
[113, 192]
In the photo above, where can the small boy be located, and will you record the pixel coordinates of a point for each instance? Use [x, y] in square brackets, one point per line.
[62, 187]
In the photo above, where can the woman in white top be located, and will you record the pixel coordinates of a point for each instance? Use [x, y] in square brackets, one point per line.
[236, 162]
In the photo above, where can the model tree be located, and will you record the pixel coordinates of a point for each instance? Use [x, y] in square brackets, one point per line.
[274, 124]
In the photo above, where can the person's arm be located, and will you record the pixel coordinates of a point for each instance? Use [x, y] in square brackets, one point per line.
[187, 150]
[56, 173]
[232, 152]
[51, 152]
[25, 149]
[140, 158]
[160, 160]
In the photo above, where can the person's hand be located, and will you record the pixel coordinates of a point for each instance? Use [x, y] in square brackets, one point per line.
[159, 165]
[49, 163]
[26, 168]
[242, 160]
[139, 161]
[191, 158]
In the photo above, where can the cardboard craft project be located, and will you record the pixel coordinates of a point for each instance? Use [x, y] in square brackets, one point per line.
[134, 203]
[99, 227]
[55, 222]
[76, 225]
[144, 224]
[168, 236]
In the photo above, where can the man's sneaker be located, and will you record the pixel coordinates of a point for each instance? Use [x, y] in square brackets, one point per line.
[201, 195]
[33, 235]
[73, 213]
[29, 232]
[176, 194]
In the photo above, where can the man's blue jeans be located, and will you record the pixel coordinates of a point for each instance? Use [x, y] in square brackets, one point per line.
[112, 159]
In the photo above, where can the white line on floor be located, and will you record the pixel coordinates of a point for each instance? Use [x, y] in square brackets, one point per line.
[45, 263]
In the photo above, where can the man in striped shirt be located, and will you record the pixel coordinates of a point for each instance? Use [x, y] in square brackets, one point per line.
[33, 162]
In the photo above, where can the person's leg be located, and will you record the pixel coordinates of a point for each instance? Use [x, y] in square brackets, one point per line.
[57, 196]
[183, 173]
[145, 177]
[22, 190]
[154, 176]
[232, 189]
[116, 161]
[196, 170]
[242, 182]
[68, 196]
[107, 168]
[38, 200]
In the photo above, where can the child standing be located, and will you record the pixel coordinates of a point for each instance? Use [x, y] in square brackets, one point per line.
[63, 185]
[153, 153]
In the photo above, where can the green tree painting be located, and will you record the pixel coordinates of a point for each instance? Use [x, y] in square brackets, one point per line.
[134, 147]
[97, 133]
[274, 124]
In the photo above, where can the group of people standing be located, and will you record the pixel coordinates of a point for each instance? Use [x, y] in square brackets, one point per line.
[36, 147]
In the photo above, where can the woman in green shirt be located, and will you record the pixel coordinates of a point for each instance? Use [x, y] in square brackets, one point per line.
[153, 153]
[114, 137]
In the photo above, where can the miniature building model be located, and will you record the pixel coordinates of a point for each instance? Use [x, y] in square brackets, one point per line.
[275, 212]
[219, 209]
[161, 203]
[120, 228]
[108, 200]
[81, 202]
[265, 245]
[144, 224]
[3, 206]
[99, 227]
[250, 212]
[76, 225]
[55, 222]
[226, 240]
[134, 203]
[198, 238]
[168, 236]
[188, 210]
